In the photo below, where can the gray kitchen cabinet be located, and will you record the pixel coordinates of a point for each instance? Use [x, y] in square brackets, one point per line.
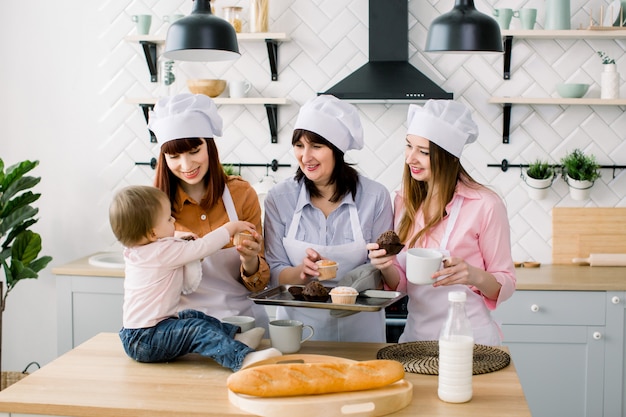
[86, 306]
[568, 349]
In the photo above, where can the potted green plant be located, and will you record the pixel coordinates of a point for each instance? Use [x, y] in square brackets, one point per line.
[539, 177]
[19, 246]
[580, 172]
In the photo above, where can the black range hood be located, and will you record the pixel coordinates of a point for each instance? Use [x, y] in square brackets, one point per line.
[388, 75]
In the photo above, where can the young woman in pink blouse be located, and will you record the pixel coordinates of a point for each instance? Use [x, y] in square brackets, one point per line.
[440, 206]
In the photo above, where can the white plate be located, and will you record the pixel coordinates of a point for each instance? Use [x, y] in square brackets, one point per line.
[612, 14]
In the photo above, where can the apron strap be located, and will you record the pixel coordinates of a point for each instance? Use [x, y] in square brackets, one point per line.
[229, 205]
[454, 215]
[357, 232]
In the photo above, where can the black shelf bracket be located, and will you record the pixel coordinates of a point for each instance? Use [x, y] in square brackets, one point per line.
[508, 47]
[506, 122]
[272, 119]
[150, 51]
[272, 53]
[504, 166]
[145, 108]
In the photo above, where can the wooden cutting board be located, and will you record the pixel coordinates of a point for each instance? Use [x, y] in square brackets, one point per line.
[366, 403]
[578, 232]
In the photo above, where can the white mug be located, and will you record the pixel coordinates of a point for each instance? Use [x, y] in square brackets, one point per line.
[171, 18]
[239, 88]
[245, 322]
[143, 22]
[421, 264]
[286, 335]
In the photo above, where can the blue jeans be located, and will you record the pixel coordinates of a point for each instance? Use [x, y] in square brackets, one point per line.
[191, 332]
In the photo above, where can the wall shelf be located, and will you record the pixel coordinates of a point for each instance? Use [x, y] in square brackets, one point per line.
[149, 44]
[508, 36]
[271, 107]
[507, 102]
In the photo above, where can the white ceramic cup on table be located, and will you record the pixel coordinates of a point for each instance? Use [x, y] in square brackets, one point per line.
[286, 335]
[239, 88]
[245, 322]
[421, 264]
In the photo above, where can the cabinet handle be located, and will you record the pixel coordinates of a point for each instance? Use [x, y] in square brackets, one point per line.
[534, 308]
[615, 300]
[597, 335]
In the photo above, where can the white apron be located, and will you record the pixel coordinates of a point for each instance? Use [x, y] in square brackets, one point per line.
[361, 327]
[220, 293]
[432, 302]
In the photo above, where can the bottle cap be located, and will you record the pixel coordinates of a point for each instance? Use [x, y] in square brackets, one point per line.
[457, 296]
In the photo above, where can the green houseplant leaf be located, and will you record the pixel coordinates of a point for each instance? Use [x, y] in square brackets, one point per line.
[580, 167]
[19, 246]
[540, 170]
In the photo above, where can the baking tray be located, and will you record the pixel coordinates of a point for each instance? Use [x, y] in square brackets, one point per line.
[368, 300]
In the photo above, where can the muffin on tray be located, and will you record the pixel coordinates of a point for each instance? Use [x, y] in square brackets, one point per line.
[343, 295]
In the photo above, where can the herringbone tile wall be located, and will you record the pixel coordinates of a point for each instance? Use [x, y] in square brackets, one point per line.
[328, 40]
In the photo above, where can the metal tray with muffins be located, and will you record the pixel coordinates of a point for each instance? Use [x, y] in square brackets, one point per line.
[290, 296]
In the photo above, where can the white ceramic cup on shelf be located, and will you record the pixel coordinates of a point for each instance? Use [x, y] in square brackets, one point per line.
[421, 264]
[245, 322]
[143, 23]
[239, 88]
[286, 335]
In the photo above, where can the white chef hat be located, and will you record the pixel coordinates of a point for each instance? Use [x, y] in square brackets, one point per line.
[447, 123]
[185, 116]
[336, 121]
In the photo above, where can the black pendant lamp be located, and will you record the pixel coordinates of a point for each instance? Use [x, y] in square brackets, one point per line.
[464, 30]
[201, 36]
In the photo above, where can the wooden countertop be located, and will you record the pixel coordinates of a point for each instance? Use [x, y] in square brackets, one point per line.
[546, 277]
[83, 268]
[97, 379]
[572, 278]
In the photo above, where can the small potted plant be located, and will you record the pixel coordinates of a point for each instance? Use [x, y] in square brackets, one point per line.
[609, 78]
[580, 172]
[539, 177]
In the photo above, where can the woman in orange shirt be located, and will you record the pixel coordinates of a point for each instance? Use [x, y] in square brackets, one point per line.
[204, 198]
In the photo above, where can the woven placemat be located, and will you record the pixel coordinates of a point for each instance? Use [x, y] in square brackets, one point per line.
[423, 357]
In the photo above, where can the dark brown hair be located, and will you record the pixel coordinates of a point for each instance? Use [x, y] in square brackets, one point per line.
[345, 177]
[214, 181]
[134, 212]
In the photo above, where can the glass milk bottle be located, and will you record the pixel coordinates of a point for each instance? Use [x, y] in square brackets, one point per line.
[456, 352]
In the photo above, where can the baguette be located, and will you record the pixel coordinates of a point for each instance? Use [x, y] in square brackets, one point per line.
[291, 379]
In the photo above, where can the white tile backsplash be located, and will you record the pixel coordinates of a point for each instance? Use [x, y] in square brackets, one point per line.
[88, 138]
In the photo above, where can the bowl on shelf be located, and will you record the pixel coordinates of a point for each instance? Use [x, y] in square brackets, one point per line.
[572, 90]
[211, 88]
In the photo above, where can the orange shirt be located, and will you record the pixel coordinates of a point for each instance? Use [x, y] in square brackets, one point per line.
[193, 218]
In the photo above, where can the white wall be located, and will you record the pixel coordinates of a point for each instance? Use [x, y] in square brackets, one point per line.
[66, 70]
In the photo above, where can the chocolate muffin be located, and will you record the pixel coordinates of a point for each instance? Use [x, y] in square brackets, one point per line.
[296, 292]
[314, 291]
[390, 241]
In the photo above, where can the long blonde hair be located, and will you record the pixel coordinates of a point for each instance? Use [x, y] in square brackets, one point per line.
[446, 172]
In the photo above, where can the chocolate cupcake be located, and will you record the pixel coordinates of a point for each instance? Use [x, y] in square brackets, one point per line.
[390, 241]
[296, 293]
[314, 291]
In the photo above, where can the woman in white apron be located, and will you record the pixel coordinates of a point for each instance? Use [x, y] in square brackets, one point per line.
[204, 198]
[464, 219]
[328, 211]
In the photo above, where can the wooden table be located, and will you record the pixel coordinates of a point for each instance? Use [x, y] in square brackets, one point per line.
[98, 379]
